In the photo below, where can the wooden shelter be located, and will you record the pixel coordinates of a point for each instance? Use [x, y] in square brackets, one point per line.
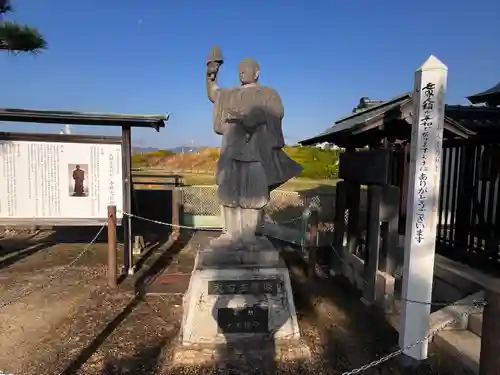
[452, 177]
[469, 205]
[388, 121]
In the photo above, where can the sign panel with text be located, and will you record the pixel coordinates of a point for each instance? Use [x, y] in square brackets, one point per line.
[59, 183]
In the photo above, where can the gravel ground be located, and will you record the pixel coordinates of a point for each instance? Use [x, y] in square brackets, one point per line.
[69, 322]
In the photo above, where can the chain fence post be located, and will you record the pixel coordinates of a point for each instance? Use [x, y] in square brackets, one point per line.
[112, 261]
[312, 244]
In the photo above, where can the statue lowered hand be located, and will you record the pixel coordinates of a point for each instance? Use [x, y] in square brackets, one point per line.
[250, 119]
[235, 116]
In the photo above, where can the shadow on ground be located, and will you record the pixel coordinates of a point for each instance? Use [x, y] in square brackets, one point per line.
[156, 203]
[147, 361]
[342, 333]
[157, 260]
[350, 334]
[17, 247]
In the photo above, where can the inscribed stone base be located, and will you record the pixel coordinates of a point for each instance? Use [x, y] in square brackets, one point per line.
[232, 303]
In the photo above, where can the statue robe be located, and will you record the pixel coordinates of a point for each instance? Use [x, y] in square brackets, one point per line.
[252, 160]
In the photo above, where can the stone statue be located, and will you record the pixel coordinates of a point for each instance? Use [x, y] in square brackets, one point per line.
[252, 162]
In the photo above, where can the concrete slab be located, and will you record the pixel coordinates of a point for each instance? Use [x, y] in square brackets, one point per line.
[254, 351]
[283, 233]
[265, 256]
[169, 284]
[444, 316]
[476, 323]
[463, 347]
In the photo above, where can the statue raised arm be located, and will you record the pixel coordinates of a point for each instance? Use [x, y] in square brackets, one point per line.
[214, 62]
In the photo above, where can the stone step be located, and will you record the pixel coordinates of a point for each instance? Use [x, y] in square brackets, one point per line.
[169, 284]
[476, 323]
[210, 259]
[254, 352]
[280, 232]
[462, 347]
[442, 317]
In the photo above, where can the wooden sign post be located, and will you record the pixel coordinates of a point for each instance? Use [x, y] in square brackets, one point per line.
[422, 203]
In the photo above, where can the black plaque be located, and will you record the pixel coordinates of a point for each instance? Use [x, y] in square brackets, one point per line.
[365, 167]
[243, 320]
[245, 287]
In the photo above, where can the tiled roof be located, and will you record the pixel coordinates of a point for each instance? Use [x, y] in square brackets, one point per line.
[82, 118]
[490, 96]
[359, 120]
[474, 117]
[456, 120]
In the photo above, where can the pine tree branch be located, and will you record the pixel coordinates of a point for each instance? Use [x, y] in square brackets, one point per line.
[5, 7]
[19, 38]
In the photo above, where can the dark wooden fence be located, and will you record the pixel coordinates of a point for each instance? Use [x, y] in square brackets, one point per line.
[469, 206]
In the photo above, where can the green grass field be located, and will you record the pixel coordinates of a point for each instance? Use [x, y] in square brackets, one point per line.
[295, 184]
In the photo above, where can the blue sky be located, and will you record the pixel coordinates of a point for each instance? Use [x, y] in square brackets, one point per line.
[149, 57]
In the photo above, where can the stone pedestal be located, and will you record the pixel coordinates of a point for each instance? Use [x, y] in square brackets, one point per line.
[237, 297]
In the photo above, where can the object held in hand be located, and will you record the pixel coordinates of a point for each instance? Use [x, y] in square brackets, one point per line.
[212, 69]
[214, 61]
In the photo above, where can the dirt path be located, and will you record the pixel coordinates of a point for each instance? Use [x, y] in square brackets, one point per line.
[75, 325]
[39, 294]
[38, 305]
[141, 343]
[24, 324]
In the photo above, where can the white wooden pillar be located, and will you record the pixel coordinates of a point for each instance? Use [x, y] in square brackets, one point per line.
[422, 204]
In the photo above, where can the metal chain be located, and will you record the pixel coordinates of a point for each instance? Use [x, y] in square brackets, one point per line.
[188, 227]
[475, 305]
[162, 222]
[57, 273]
[408, 347]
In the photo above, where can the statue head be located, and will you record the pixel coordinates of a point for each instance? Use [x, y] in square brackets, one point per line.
[249, 71]
[77, 167]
